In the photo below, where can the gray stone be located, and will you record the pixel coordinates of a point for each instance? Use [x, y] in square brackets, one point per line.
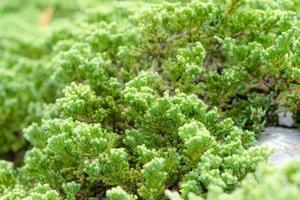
[285, 142]
[286, 119]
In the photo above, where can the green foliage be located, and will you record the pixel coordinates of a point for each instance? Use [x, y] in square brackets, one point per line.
[64, 144]
[105, 168]
[22, 94]
[7, 175]
[71, 189]
[37, 192]
[118, 193]
[248, 49]
[171, 143]
[129, 99]
[154, 175]
[267, 183]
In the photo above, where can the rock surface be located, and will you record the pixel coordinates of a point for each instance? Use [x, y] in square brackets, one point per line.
[285, 142]
[286, 119]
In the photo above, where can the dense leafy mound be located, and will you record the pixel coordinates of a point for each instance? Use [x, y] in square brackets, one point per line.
[267, 183]
[29, 56]
[132, 99]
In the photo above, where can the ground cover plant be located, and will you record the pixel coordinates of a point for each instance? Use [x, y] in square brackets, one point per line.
[145, 99]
